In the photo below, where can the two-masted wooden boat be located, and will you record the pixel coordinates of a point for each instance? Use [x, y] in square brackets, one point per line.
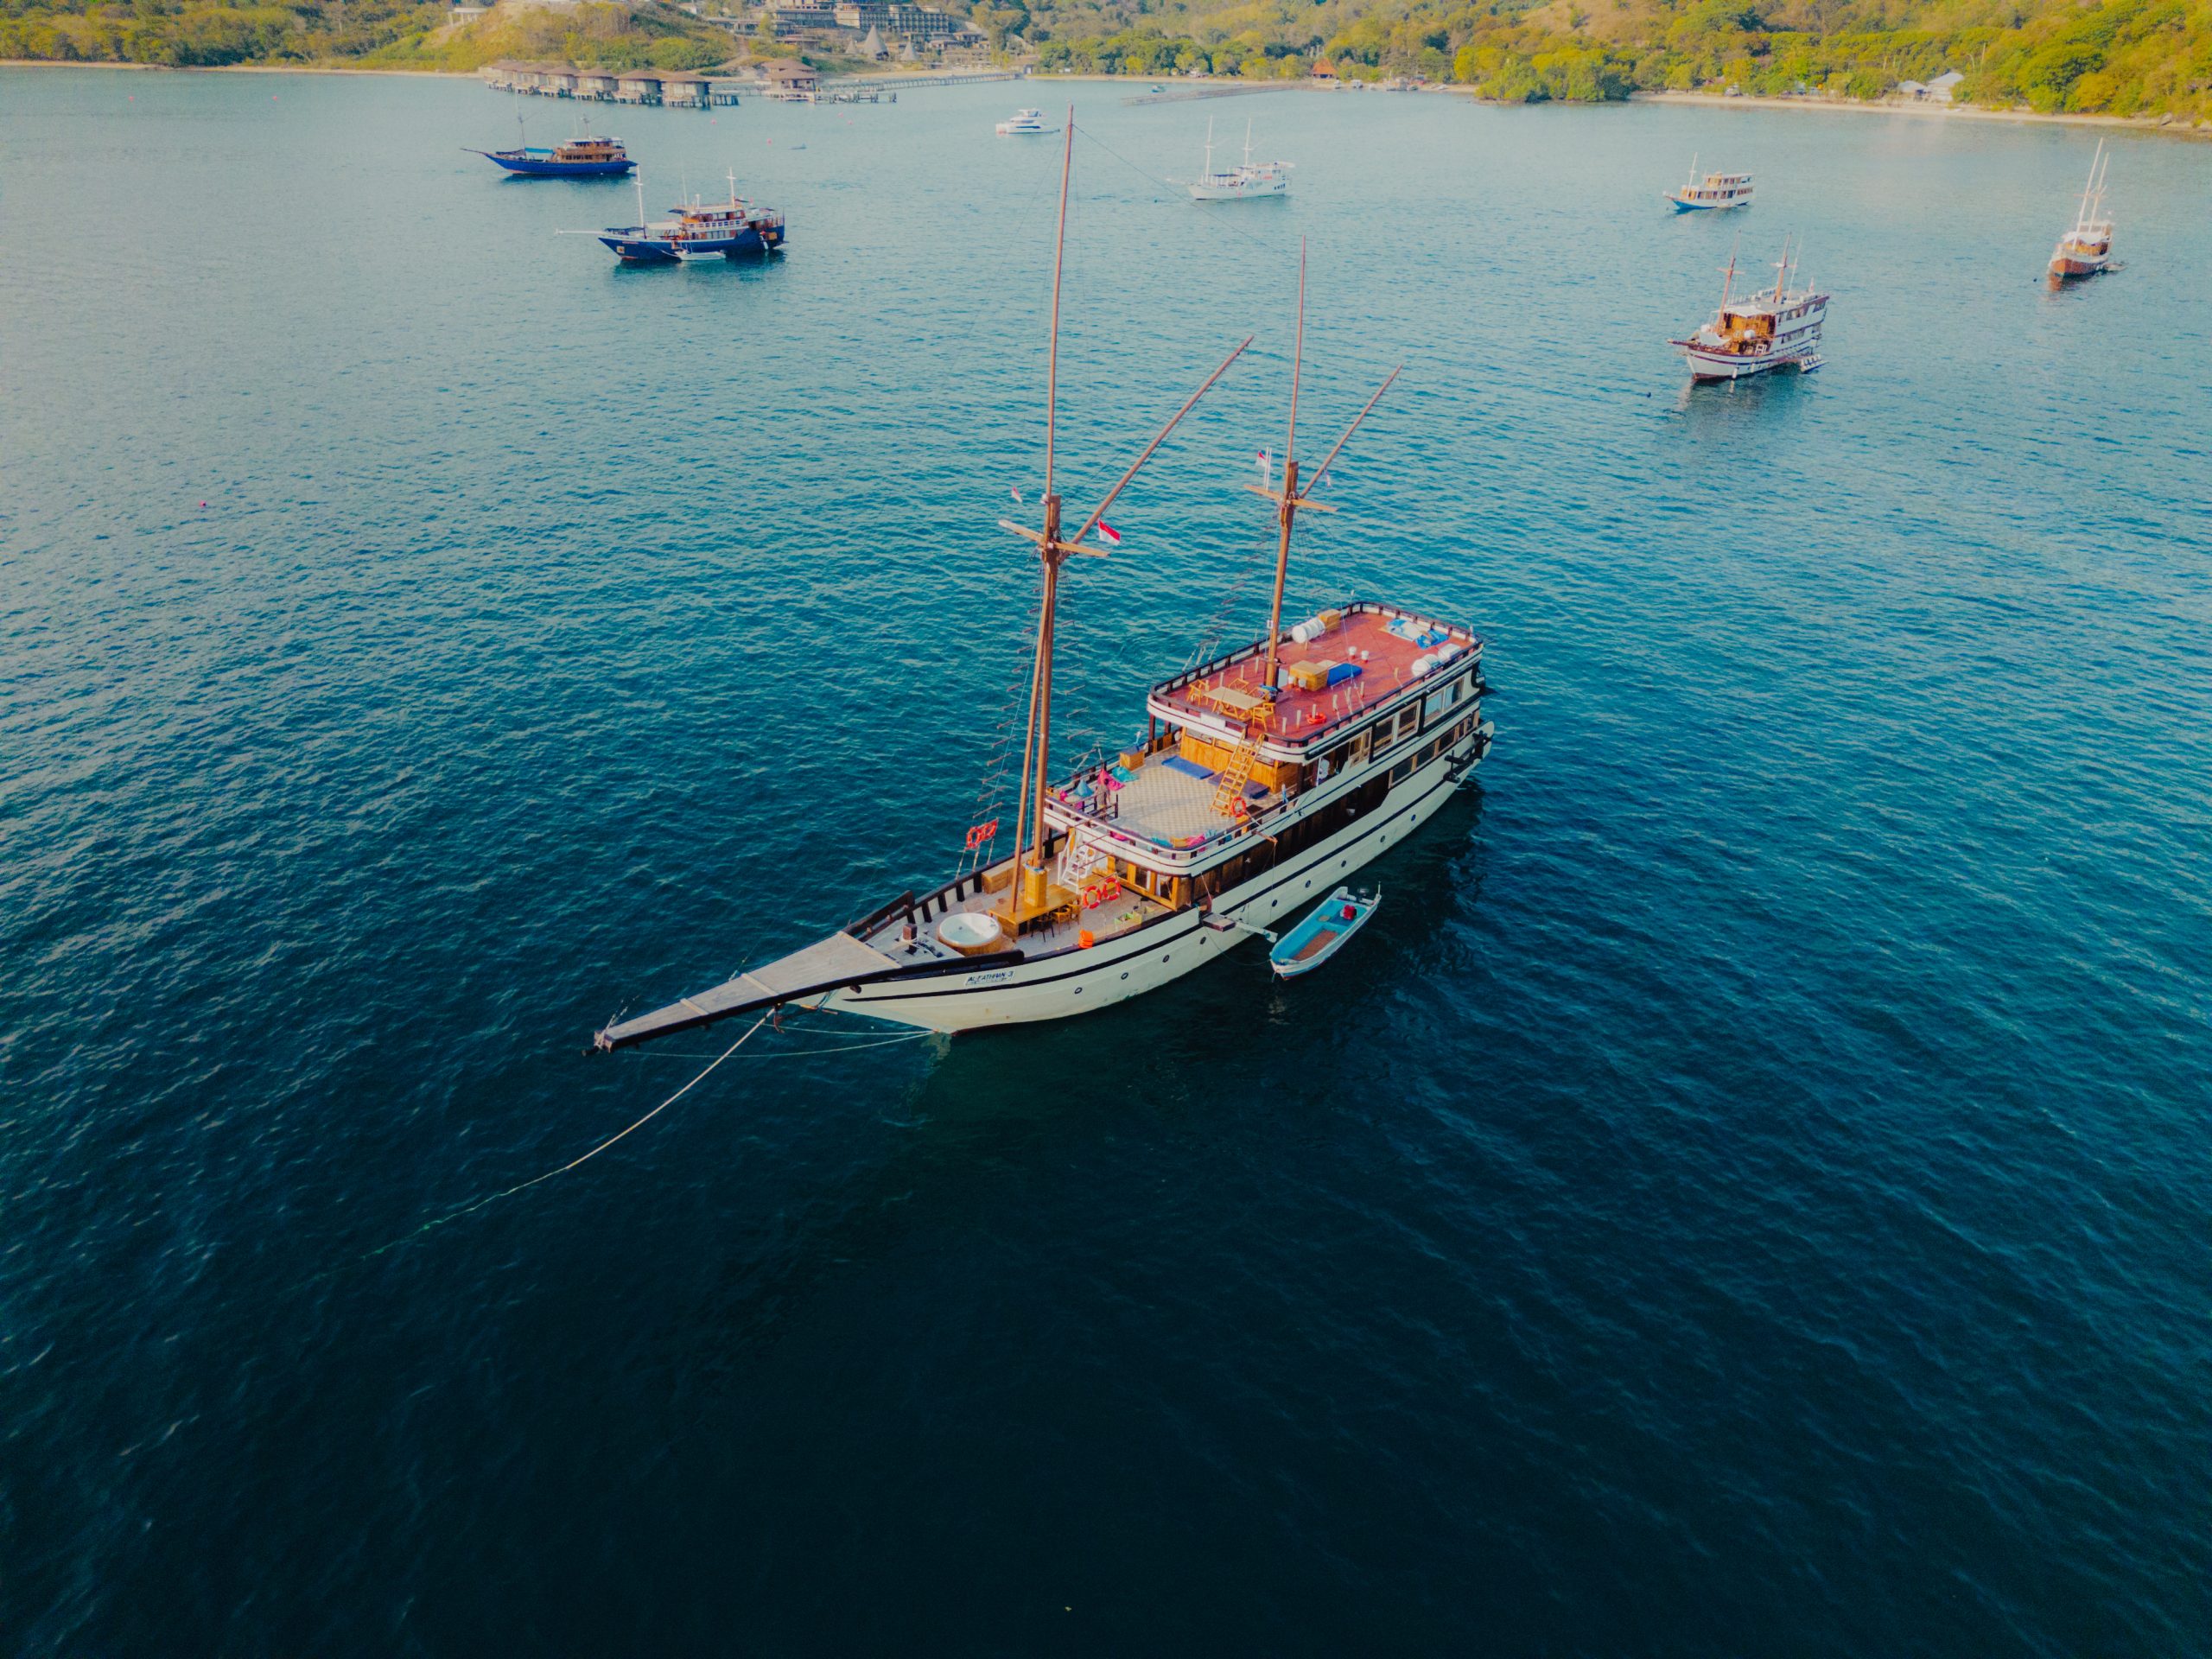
[700, 229]
[1249, 181]
[581, 157]
[2085, 250]
[1761, 332]
[1265, 777]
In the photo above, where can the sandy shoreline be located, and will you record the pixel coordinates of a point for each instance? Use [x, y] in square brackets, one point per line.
[1746, 101]
[237, 68]
[1925, 111]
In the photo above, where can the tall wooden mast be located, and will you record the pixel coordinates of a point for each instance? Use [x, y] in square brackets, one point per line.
[1027, 892]
[1051, 553]
[1286, 504]
[1287, 500]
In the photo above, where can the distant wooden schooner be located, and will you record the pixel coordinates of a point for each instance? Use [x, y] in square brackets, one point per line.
[2086, 248]
[1260, 784]
[1760, 333]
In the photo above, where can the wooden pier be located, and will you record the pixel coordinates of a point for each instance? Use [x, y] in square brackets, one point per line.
[675, 89]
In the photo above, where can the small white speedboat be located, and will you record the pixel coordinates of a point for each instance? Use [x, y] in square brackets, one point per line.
[1024, 124]
[1317, 938]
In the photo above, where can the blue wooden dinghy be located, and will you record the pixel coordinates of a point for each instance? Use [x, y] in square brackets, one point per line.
[1317, 938]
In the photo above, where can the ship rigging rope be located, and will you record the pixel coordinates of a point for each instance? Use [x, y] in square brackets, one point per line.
[536, 1180]
[793, 1053]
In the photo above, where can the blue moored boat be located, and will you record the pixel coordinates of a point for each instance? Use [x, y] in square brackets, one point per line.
[1317, 938]
[580, 158]
[724, 230]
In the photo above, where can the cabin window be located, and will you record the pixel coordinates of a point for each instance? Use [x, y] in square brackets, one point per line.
[1355, 750]
[1409, 721]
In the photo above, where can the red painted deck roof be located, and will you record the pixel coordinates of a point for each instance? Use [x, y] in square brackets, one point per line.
[1386, 664]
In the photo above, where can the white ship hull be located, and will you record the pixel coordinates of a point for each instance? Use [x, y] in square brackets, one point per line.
[1058, 987]
[1723, 365]
[1241, 190]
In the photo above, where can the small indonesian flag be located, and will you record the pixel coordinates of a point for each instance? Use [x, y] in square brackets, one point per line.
[1015, 493]
[1266, 466]
[1109, 535]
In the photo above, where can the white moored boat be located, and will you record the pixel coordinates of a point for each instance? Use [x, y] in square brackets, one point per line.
[2086, 249]
[1024, 124]
[1776, 328]
[1713, 192]
[1265, 776]
[1249, 181]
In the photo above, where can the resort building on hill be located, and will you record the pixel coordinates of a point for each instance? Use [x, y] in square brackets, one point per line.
[923, 25]
[844, 24]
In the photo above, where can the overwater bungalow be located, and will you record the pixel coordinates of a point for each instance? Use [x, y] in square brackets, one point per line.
[790, 79]
[595, 83]
[681, 88]
[557, 79]
[638, 86]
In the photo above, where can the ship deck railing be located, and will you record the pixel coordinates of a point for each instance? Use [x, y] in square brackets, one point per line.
[1162, 812]
[1057, 926]
[1302, 720]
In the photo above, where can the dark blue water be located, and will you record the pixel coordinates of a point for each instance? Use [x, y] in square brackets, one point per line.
[1747, 1193]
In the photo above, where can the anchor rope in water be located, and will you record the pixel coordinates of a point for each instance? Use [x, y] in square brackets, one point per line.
[788, 1053]
[535, 1180]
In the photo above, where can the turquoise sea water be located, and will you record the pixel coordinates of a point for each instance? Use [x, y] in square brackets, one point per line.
[1747, 1193]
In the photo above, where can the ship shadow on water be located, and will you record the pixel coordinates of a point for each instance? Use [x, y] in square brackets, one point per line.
[746, 268]
[1722, 402]
[608, 182]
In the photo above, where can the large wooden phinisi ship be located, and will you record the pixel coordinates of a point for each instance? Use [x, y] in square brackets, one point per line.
[1265, 777]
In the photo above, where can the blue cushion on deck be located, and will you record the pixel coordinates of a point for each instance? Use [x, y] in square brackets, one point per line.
[1191, 767]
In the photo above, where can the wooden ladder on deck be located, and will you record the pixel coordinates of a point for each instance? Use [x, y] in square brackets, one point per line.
[1078, 859]
[1229, 787]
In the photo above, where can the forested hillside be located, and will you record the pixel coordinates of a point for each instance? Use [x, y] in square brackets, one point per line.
[2123, 57]
[2120, 57]
[400, 34]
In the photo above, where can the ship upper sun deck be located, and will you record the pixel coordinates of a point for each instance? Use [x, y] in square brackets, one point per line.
[1303, 714]
[1165, 805]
